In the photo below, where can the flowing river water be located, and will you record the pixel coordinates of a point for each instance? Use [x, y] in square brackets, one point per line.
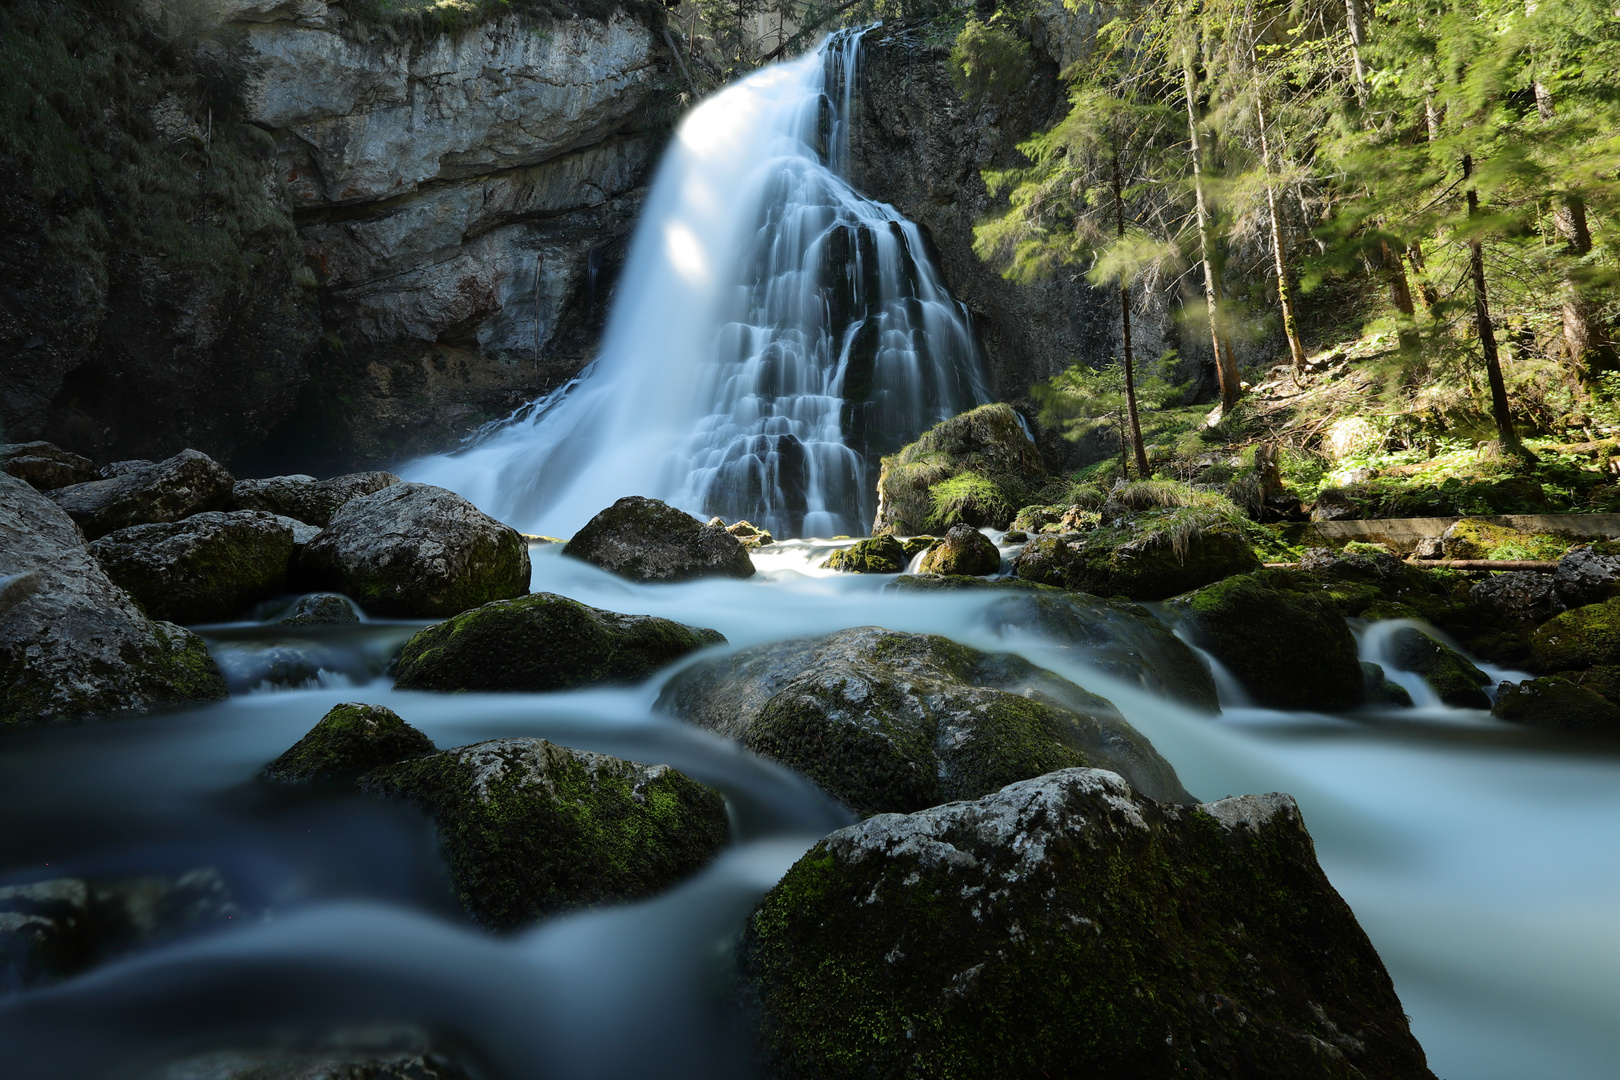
[1478, 855]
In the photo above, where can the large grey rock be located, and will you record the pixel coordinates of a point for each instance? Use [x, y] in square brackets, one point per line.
[887, 721]
[529, 827]
[1587, 574]
[46, 466]
[1066, 926]
[72, 643]
[188, 483]
[417, 551]
[1519, 595]
[648, 540]
[305, 498]
[209, 567]
[543, 642]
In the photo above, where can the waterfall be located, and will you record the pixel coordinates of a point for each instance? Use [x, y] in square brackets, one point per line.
[774, 333]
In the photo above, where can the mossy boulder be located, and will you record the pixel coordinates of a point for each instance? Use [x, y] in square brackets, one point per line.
[1475, 538]
[879, 555]
[543, 642]
[148, 492]
[964, 551]
[417, 551]
[1142, 562]
[305, 498]
[1381, 690]
[73, 644]
[887, 721]
[648, 540]
[1556, 703]
[1066, 926]
[349, 740]
[1449, 674]
[529, 827]
[1579, 638]
[1289, 650]
[320, 609]
[45, 466]
[206, 568]
[975, 469]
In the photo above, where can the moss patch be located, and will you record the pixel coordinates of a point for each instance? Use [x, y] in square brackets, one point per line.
[879, 555]
[349, 740]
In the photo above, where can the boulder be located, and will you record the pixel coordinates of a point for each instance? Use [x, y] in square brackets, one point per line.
[1519, 596]
[205, 568]
[417, 551]
[886, 721]
[1579, 638]
[349, 740]
[974, 469]
[543, 642]
[320, 609]
[1124, 640]
[647, 540]
[530, 827]
[1066, 926]
[258, 664]
[188, 483]
[1450, 674]
[305, 498]
[72, 643]
[879, 555]
[1289, 650]
[1588, 574]
[45, 466]
[1142, 563]
[748, 534]
[1556, 703]
[965, 550]
[1381, 690]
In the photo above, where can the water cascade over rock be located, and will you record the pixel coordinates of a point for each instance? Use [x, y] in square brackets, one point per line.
[775, 333]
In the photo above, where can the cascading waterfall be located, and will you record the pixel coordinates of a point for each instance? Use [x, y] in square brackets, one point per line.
[775, 332]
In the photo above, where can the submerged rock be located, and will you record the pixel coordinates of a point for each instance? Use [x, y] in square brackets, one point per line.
[45, 466]
[1556, 703]
[320, 609]
[72, 643]
[417, 551]
[543, 642]
[647, 540]
[879, 555]
[1381, 690]
[1066, 926]
[349, 740]
[188, 483]
[1289, 650]
[965, 550]
[529, 827]
[887, 721]
[1450, 674]
[974, 469]
[1142, 563]
[365, 1054]
[307, 499]
[206, 568]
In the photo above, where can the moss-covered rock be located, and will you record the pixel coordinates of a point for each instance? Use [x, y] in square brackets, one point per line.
[1579, 638]
[965, 551]
[887, 721]
[1068, 927]
[1142, 562]
[1556, 703]
[916, 545]
[1381, 690]
[1450, 674]
[188, 483]
[1475, 538]
[974, 469]
[320, 609]
[647, 540]
[543, 642]
[879, 555]
[73, 644]
[417, 551]
[1062, 517]
[350, 739]
[529, 827]
[206, 568]
[1289, 650]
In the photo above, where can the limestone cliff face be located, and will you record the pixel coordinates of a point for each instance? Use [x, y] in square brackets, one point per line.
[464, 201]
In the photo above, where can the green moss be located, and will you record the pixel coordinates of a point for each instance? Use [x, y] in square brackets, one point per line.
[879, 555]
[529, 827]
[964, 551]
[1579, 638]
[975, 468]
[1557, 703]
[349, 740]
[971, 499]
[1475, 539]
[543, 642]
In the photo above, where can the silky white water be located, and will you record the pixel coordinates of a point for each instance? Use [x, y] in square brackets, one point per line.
[773, 334]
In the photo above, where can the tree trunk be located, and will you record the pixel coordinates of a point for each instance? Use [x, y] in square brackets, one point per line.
[1296, 349]
[1225, 364]
[1352, 11]
[1125, 325]
[1482, 325]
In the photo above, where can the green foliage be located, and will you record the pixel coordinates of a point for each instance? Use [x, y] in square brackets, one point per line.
[968, 496]
[988, 60]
